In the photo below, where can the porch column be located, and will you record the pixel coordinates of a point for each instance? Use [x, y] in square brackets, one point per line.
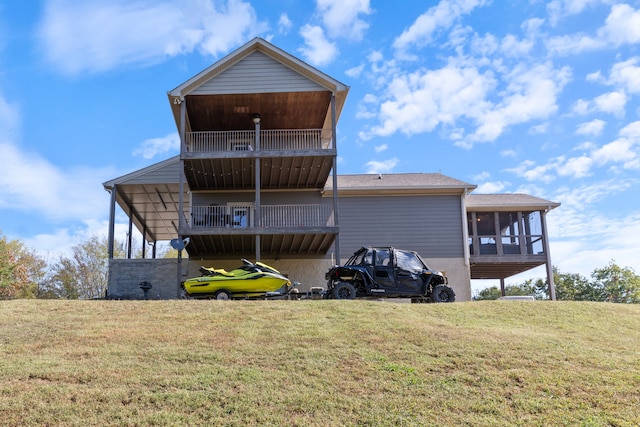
[144, 241]
[181, 219]
[112, 220]
[130, 234]
[552, 286]
[336, 221]
[257, 223]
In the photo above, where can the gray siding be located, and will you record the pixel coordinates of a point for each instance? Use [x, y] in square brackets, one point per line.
[430, 225]
[169, 174]
[257, 73]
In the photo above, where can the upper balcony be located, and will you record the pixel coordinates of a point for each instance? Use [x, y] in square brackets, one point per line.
[289, 158]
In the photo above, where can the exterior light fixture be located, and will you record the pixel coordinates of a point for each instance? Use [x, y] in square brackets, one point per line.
[256, 119]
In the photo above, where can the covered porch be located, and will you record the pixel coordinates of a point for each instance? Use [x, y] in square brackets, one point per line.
[507, 235]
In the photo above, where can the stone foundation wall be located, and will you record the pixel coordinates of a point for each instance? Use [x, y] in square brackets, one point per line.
[125, 276]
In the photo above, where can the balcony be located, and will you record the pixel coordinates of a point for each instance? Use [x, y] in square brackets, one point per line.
[275, 219]
[231, 230]
[241, 143]
[289, 159]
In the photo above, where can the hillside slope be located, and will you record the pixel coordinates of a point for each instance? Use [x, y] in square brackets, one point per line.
[318, 363]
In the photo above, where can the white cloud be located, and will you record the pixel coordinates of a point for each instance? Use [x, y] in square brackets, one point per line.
[482, 176]
[384, 166]
[57, 194]
[100, 35]
[626, 75]
[559, 9]
[9, 118]
[318, 50]
[418, 102]
[284, 24]
[531, 94]
[355, 72]
[381, 148]
[592, 128]
[576, 167]
[341, 17]
[618, 151]
[582, 240]
[612, 102]
[150, 148]
[623, 152]
[441, 16]
[622, 26]
[632, 130]
[491, 187]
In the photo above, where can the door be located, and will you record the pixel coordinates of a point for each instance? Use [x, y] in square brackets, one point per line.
[240, 215]
[383, 271]
[408, 273]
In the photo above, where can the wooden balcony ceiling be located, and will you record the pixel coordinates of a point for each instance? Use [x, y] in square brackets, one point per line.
[275, 172]
[494, 269]
[234, 245]
[282, 110]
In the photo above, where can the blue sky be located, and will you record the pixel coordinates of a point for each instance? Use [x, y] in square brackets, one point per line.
[513, 96]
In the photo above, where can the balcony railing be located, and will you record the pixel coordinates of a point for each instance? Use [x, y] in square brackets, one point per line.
[273, 216]
[270, 140]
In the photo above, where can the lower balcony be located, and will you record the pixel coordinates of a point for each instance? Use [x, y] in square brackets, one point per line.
[232, 230]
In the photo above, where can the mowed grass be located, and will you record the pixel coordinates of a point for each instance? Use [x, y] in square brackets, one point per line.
[319, 363]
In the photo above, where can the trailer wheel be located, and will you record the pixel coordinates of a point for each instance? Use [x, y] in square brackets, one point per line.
[443, 293]
[343, 290]
[222, 295]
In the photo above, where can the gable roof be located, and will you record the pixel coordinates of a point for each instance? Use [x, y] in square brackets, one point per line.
[260, 45]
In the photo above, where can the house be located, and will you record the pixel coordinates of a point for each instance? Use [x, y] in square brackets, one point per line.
[256, 178]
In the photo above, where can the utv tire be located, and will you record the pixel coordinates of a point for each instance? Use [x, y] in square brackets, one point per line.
[443, 293]
[343, 290]
[222, 295]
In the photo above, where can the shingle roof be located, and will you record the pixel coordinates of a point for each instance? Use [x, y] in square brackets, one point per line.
[513, 201]
[407, 182]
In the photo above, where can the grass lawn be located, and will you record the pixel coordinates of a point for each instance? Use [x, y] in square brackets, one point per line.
[319, 363]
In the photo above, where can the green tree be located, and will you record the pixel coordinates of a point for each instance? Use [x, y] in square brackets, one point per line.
[617, 284]
[490, 293]
[84, 274]
[21, 270]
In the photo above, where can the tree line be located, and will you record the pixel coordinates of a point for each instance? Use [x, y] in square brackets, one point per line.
[611, 283]
[81, 275]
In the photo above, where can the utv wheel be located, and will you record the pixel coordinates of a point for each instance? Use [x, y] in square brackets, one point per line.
[442, 293]
[343, 290]
[222, 295]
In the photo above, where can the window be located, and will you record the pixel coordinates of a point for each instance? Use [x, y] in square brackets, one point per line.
[383, 257]
[408, 261]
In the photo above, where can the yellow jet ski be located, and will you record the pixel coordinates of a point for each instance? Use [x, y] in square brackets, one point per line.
[247, 281]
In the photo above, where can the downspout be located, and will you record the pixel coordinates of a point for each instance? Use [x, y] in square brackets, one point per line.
[334, 139]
